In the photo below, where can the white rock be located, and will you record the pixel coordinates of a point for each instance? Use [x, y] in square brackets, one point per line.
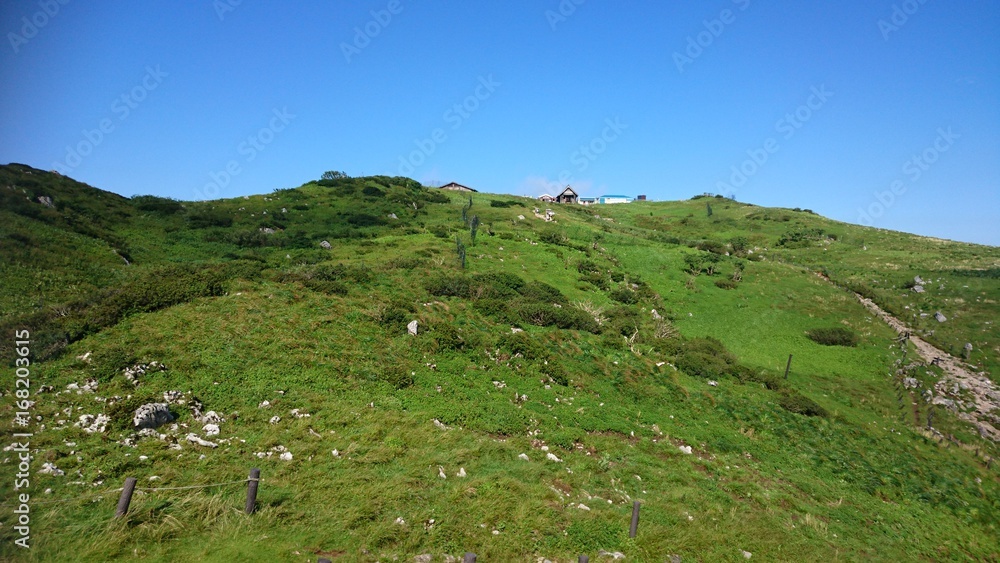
[713, 383]
[335, 453]
[195, 439]
[275, 419]
[400, 522]
[552, 457]
[747, 554]
[583, 507]
[461, 472]
[411, 327]
[286, 456]
[441, 472]
[211, 429]
[50, 469]
[524, 457]
[264, 404]
[686, 449]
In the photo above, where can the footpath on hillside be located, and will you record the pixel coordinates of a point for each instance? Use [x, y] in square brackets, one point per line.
[958, 377]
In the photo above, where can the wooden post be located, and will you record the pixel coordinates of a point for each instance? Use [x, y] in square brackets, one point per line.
[634, 526]
[469, 557]
[126, 498]
[252, 483]
[788, 366]
[583, 559]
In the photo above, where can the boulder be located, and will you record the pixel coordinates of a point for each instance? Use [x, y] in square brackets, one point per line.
[412, 328]
[918, 288]
[939, 317]
[151, 415]
[326, 244]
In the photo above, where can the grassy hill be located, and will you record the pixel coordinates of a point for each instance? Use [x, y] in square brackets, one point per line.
[642, 346]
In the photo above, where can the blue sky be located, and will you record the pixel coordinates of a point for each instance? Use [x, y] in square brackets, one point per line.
[877, 112]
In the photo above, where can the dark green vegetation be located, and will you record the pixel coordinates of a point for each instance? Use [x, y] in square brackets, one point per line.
[539, 334]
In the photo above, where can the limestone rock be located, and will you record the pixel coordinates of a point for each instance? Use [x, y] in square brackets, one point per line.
[152, 415]
[325, 244]
[412, 328]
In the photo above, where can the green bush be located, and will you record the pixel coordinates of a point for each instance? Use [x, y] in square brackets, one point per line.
[792, 401]
[705, 357]
[449, 285]
[726, 284]
[159, 205]
[837, 336]
[110, 362]
[521, 343]
[505, 203]
[543, 292]
[204, 218]
[447, 337]
[624, 295]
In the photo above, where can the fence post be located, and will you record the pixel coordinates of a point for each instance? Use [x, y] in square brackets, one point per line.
[583, 559]
[634, 526]
[788, 366]
[252, 490]
[126, 498]
[469, 557]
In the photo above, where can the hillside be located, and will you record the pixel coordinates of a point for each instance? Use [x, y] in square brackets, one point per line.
[629, 352]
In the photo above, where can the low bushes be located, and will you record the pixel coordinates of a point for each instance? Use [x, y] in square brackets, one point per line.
[837, 336]
[800, 404]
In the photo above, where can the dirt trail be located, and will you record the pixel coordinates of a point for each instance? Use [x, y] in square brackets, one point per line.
[978, 391]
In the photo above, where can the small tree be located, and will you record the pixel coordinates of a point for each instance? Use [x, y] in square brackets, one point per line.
[460, 251]
[334, 175]
[708, 208]
[474, 226]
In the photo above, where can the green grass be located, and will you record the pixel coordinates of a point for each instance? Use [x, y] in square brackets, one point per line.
[324, 331]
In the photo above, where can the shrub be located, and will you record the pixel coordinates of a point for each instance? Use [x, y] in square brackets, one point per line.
[555, 371]
[205, 218]
[715, 247]
[505, 203]
[588, 267]
[792, 401]
[446, 285]
[364, 220]
[705, 357]
[837, 336]
[326, 286]
[521, 343]
[447, 337]
[110, 362]
[154, 204]
[726, 284]
[553, 237]
[372, 191]
[543, 292]
[624, 295]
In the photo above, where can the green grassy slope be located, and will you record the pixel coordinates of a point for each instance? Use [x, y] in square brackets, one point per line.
[544, 343]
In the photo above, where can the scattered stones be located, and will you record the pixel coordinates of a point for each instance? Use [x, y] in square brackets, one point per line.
[918, 289]
[552, 457]
[152, 415]
[85, 357]
[285, 456]
[132, 373]
[583, 507]
[499, 384]
[211, 429]
[195, 439]
[264, 405]
[613, 555]
[910, 383]
[46, 201]
[656, 316]
[440, 424]
[411, 328]
[275, 419]
[266, 230]
[423, 558]
[212, 417]
[685, 449]
[51, 469]
[299, 414]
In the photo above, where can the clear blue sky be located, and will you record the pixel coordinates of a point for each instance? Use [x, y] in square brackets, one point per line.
[849, 101]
